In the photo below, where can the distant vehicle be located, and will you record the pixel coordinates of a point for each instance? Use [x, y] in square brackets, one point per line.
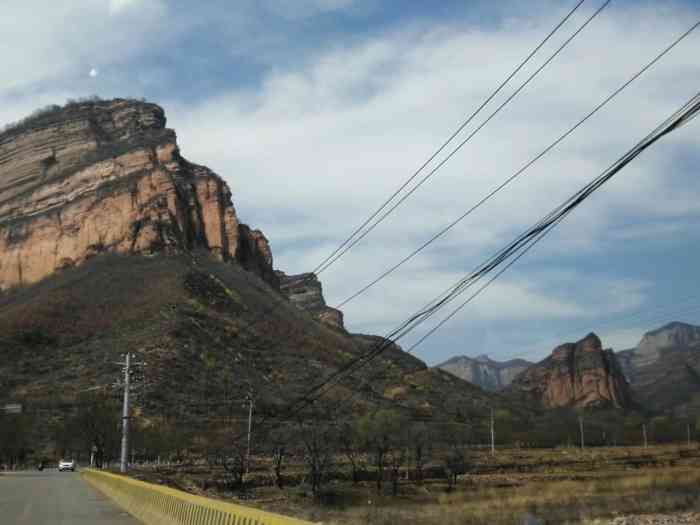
[66, 465]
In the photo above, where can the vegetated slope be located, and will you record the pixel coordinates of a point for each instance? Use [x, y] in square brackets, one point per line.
[664, 369]
[112, 242]
[484, 371]
[209, 331]
[580, 375]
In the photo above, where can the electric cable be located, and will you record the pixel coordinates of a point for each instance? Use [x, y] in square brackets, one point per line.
[349, 242]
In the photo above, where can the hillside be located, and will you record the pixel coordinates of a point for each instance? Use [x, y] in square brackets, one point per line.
[112, 242]
[207, 330]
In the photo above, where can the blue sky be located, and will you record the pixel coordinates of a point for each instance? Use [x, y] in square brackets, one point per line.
[315, 110]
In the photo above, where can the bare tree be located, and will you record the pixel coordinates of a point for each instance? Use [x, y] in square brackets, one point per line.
[318, 438]
[352, 446]
[420, 441]
[455, 437]
[382, 431]
[280, 442]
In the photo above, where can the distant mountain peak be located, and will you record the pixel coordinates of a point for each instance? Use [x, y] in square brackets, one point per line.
[484, 371]
[674, 326]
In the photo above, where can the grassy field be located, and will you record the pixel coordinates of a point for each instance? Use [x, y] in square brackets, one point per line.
[551, 486]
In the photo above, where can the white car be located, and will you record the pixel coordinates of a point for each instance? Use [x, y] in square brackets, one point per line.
[66, 465]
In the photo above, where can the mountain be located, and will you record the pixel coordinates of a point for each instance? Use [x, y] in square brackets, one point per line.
[483, 371]
[107, 176]
[664, 368]
[578, 375]
[112, 242]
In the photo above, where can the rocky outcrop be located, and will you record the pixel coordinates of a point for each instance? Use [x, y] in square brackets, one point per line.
[306, 293]
[577, 375]
[107, 176]
[664, 368]
[485, 372]
[675, 335]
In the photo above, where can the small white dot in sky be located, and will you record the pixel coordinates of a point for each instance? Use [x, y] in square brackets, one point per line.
[94, 72]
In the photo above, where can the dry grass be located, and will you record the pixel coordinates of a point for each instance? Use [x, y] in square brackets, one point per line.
[553, 486]
[554, 502]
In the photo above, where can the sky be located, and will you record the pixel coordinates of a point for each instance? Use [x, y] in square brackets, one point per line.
[315, 111]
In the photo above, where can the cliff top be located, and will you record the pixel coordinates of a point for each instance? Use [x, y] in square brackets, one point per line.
[674, 326]
[54, 113]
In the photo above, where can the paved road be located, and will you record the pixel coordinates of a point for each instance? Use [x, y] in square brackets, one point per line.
[55, 498]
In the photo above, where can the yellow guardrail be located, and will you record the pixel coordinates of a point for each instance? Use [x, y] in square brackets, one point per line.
[158, 505]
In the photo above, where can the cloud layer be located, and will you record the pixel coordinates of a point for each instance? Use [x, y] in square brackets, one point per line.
[312, 140]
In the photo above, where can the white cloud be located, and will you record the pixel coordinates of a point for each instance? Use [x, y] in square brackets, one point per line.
[117, 6]
[40, 52]
[324, 138]
[305, 8]
[327, 142]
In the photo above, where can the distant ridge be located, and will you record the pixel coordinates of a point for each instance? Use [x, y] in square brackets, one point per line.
[483, 371]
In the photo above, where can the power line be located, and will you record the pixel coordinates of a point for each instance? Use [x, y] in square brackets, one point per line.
[519, 172]
[317, 391]
[330, 259]
[524, 242]
[678, 119]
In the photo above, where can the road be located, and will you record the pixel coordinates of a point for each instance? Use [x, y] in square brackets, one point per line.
[55, 498]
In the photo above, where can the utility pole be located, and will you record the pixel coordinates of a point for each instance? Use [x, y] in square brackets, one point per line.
[126, 409]
[644, 431]
[580, 424]
[493, 445]
[688, 429]
[125, 416]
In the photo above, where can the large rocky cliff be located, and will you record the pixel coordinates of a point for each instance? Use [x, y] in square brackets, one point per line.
[580, 374]
[664, 368]
[107, 176]
[484, 371]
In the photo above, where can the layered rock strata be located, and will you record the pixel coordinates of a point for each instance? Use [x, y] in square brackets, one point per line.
[579, 374]
[107, 176]
[305, 291]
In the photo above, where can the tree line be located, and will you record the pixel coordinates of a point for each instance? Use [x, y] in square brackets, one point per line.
[382, 445]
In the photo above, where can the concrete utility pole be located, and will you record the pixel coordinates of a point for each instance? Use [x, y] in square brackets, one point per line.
[493, 444]
[580, 425]
[125, 416]
[644, 431]
[126, 409]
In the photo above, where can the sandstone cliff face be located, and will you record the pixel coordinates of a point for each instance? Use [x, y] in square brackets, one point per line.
[578, 374]
[485, 372]
[306, 293]
[108, 177]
